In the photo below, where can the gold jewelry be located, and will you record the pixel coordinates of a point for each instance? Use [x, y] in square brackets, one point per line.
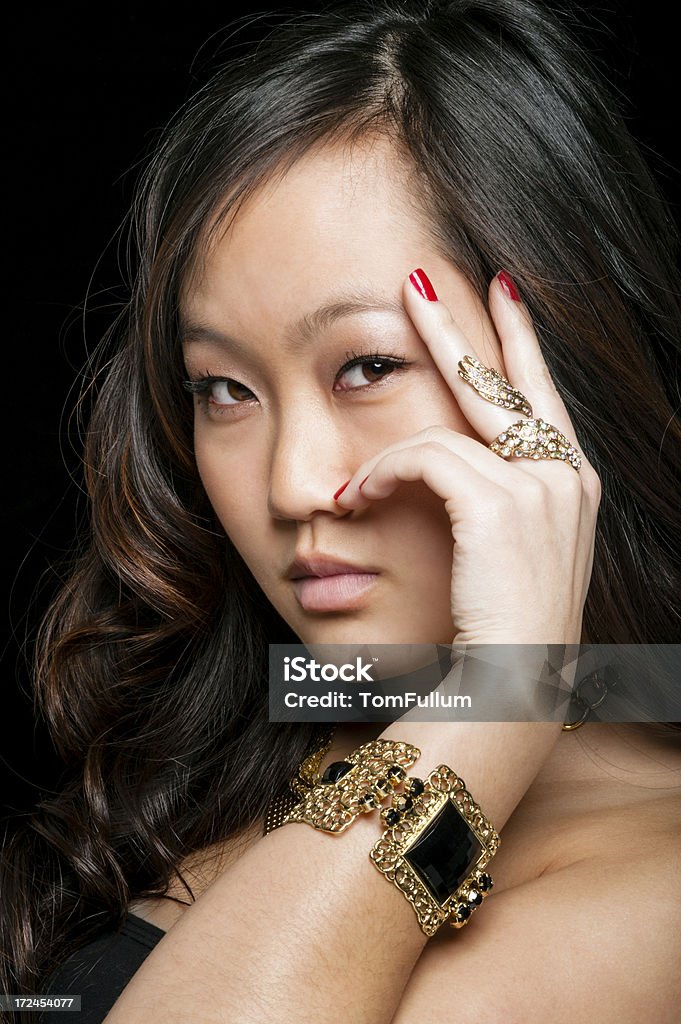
[492, 385]
[437, 843]
[354, 786]
[306, 775]
[531, 438]
[535, 439]
[308, 771]
[436, 850]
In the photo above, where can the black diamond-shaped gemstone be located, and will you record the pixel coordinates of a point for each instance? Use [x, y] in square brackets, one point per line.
[445, 853]
[404, 803]
[475, 897]
[416, 786]
[391, 816]
[336, 770]
[485, 882]
[395, 771]
[463, 912]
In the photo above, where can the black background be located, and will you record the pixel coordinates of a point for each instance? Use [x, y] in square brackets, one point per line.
[89, 88]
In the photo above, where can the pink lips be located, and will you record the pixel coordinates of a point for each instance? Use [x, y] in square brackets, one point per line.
[340, 591]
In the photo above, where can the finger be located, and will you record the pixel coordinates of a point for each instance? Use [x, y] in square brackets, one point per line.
[470, 496]
[481, 458]
[448, 345]
[524, 361]
[486, 462]
[514, 327]
[467, 493]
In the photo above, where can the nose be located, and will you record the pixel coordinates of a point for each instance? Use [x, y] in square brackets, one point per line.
[312, 456]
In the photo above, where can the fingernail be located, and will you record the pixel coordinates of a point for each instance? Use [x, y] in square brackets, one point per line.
[341, 489]
[364, 480]
[419, 279]
[508, 284]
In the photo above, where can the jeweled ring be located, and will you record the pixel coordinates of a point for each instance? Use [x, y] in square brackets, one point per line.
[492, 385]
[535, 439]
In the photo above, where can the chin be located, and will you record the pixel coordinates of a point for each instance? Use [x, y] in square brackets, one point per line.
[356, 631]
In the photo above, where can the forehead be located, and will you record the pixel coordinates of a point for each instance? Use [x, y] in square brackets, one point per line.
[340, 215]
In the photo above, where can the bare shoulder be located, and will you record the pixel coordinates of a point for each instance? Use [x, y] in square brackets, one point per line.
[598, 938]
[199, 869]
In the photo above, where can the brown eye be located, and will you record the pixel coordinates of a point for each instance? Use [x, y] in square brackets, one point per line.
[376, 369]
[229, 392]
[236, 390]
[361, 372]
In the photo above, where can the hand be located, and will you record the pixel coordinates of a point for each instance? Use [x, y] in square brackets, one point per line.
[523, 529]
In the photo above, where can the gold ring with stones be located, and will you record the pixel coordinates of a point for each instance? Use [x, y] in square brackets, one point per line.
[535, 439]
[492, 385]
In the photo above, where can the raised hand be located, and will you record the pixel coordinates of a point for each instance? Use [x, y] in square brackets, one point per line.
[523, 528]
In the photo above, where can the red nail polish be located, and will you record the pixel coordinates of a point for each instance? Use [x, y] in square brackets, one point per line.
[341, 489]
[419, 279]
[364, 480]
[508, 284]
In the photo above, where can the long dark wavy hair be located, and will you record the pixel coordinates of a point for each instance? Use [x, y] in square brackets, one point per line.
[151, 662]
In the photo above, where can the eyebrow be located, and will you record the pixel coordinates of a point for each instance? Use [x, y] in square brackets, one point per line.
[303, 331]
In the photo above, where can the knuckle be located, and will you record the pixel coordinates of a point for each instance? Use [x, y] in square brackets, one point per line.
[535, 490]
[592, 485]
[435, 433]
[539, 378]
[502, 507]
[433, 447]
[566, 490]
[572, 482]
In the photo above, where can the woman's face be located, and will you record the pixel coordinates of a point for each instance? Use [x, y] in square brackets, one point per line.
[275, 312]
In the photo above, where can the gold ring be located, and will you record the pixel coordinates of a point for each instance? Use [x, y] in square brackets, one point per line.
[492, 385]
[535, 439]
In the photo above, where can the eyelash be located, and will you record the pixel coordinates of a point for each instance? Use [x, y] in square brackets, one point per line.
[202, 383]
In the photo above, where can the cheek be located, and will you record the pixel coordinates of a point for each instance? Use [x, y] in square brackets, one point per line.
[434, 404]
[237, 506]
[238, 510]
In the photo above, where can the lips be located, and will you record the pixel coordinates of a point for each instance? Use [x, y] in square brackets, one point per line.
[324, 583]
[323, 565]
[333, 592]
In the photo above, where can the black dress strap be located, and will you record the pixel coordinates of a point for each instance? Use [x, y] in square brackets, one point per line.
[100, 970]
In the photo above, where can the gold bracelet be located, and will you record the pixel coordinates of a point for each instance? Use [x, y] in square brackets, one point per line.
[353, 786]
[436, 848]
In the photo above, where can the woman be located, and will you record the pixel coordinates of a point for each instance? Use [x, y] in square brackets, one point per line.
[320, 239]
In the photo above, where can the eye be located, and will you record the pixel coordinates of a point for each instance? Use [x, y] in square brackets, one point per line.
[225, 393]
[369, 369]
[221, 391]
